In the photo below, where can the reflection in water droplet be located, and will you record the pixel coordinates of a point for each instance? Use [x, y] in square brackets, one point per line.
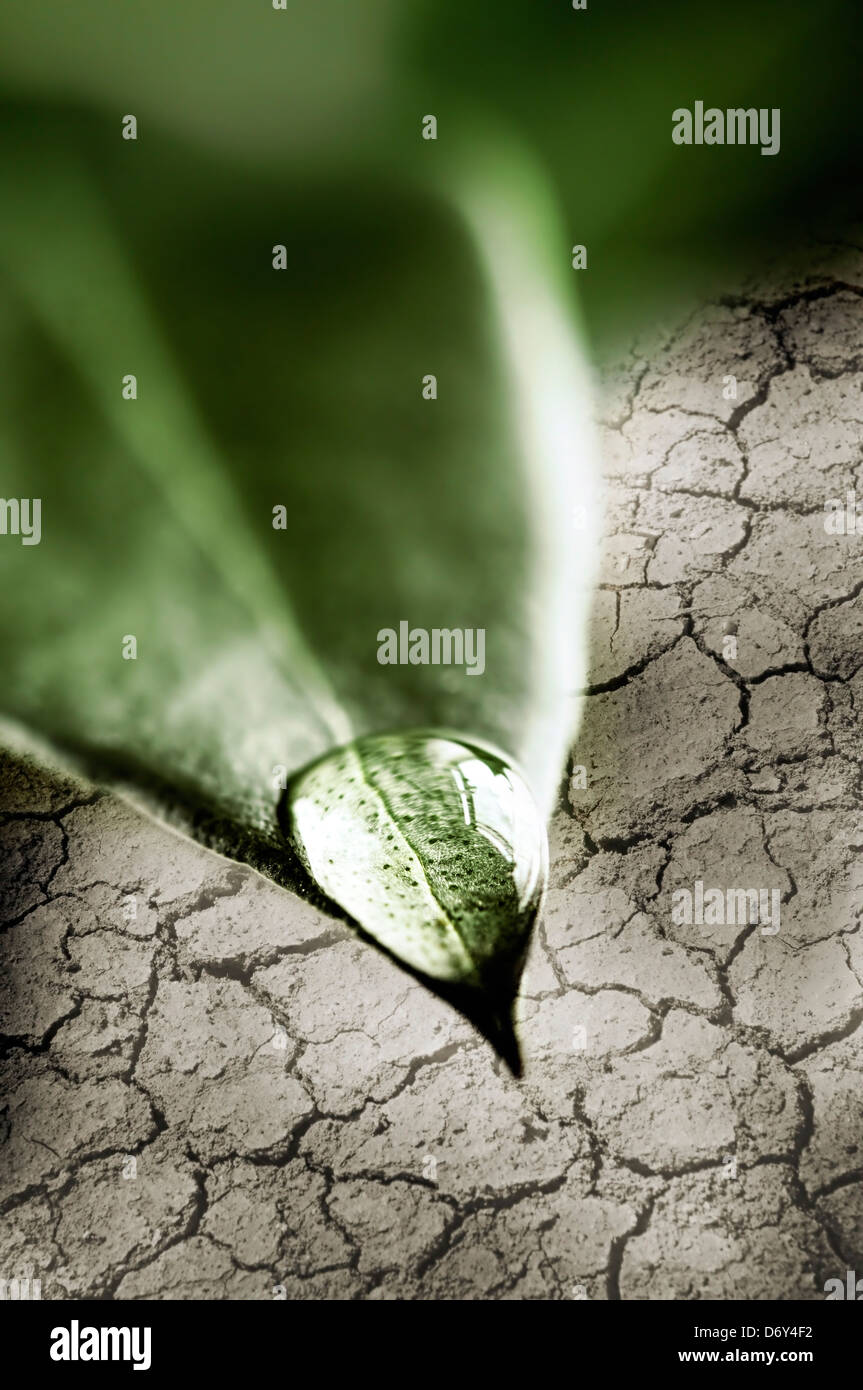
[435, 847]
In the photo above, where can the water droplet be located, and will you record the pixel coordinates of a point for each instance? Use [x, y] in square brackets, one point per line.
[434, 846]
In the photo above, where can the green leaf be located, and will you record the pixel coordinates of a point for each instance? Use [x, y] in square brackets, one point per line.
[257, 647]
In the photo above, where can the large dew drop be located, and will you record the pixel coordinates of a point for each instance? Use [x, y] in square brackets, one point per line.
[435, 848]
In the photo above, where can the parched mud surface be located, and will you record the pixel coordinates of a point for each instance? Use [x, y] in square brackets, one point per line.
[210, 1090]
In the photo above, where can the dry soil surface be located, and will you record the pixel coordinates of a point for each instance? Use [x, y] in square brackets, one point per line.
[211, 1090]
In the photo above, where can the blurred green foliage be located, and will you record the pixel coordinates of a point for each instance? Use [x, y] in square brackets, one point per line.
[314, 91]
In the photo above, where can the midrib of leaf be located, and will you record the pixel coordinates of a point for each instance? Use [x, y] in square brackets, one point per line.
[78, 284]
[514, 225]
[407, 846]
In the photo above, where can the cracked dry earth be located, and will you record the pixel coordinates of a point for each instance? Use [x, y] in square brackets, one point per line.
[213, 1091]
